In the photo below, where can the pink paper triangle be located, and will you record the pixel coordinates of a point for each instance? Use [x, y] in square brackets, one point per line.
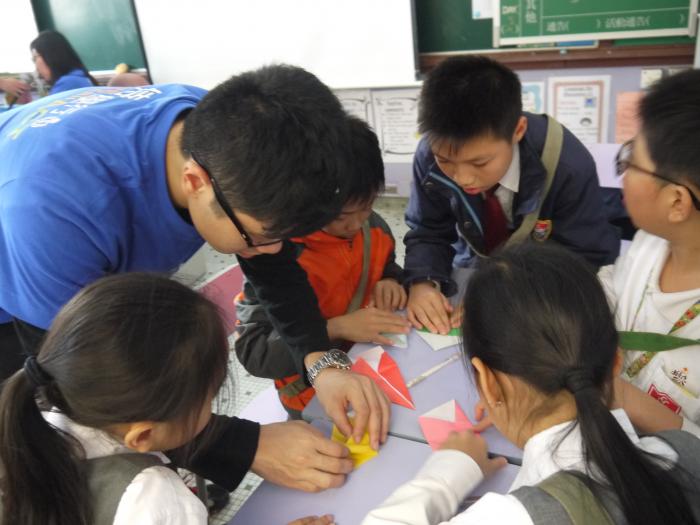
[437, 430]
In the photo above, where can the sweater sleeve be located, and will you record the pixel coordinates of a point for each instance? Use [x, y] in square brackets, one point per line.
[283, 289]
[432, 229]
[437, 492]
[434, 495]
[223, 451]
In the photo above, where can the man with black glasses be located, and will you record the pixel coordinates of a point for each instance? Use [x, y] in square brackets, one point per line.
[99, 181]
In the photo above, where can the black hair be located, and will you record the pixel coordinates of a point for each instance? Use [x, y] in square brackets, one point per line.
[465, 97]
[367, 178]
[670, 114]
[128, 348]
[59, 55]
[276, 139]
[539, 313]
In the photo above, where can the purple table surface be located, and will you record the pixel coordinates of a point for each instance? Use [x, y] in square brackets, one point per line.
[397, 462]
[452, 382]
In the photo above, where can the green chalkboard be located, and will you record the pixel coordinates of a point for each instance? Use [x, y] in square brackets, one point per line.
[103, 32]
[447, 25]
[537, 21]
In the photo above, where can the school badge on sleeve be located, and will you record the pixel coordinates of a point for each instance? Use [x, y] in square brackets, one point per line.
[542, 230]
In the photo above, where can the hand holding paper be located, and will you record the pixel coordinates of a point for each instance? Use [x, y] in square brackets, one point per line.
[359, 452]
[367, 325]
[383, 370]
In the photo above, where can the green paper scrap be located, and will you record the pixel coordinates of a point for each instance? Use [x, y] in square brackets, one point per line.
[455, 331]
[653, 342]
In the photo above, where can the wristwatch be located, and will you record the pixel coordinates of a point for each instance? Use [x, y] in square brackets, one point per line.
[334, 358]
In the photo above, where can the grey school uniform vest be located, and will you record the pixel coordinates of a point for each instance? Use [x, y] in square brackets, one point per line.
[108, 477]
[563, 499]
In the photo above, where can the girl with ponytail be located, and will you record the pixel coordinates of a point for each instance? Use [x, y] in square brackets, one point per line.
[542, 342]
[128, 368]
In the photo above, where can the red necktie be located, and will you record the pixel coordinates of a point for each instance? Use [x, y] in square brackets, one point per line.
[495, 222]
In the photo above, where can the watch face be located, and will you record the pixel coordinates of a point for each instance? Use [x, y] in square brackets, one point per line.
[339, 358]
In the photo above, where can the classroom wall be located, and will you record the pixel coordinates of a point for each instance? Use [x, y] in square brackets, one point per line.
[622, 79]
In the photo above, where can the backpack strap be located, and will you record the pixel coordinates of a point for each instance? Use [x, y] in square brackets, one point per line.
[550, 159]
[356, 300]
[563, 498]
[109, 476]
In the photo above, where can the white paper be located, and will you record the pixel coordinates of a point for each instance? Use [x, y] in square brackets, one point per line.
[396, 122]
[438, 341]
[482, 9]
[371, 357]
[357, 102]
[533, 97]
[445, 412]
[400, 340]
[581, 104]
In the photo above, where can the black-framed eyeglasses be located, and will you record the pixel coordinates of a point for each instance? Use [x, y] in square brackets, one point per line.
[622, 164]
[220, 199]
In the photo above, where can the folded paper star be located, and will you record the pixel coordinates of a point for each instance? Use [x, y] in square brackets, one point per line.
[359, 452]
[437, 423]
[376, 364]
[438, 341]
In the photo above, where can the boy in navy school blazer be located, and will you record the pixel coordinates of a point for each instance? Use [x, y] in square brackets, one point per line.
[477, 138]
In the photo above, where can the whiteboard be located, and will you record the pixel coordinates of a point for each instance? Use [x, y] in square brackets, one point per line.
[346, 43]
[17, 30]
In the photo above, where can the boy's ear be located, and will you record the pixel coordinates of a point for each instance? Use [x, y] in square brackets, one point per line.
[520, 129]
[487, 382]
[139, 436]
[194, 178]
[681, 205]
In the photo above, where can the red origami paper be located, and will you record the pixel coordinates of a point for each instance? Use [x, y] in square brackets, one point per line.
[376, 364]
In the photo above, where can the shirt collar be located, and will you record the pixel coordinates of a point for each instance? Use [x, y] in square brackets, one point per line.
[511, 180]
[559, 448]
[96, 443]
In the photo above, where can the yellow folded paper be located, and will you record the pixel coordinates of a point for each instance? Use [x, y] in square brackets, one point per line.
[359, 452]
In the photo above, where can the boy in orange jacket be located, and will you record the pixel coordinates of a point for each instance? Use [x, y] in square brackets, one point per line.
[351, 266]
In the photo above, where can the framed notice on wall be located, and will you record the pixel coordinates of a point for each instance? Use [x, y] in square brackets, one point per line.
[581, 104]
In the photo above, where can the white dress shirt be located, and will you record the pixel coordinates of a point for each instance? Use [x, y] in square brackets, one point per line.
[156, 496]
[509, 185]
[449, 476]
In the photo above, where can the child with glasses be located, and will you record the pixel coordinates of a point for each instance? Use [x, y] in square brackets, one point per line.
[356, 295]
[654, 288]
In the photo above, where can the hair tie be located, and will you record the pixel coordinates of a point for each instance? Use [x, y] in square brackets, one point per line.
[36, 374]
[577, 380]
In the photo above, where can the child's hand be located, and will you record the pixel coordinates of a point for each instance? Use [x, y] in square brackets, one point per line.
[483, 421]
[388, 295]
[456, 317]
[428, 307]
[474, 446]
[314, 520]
[366, 326]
